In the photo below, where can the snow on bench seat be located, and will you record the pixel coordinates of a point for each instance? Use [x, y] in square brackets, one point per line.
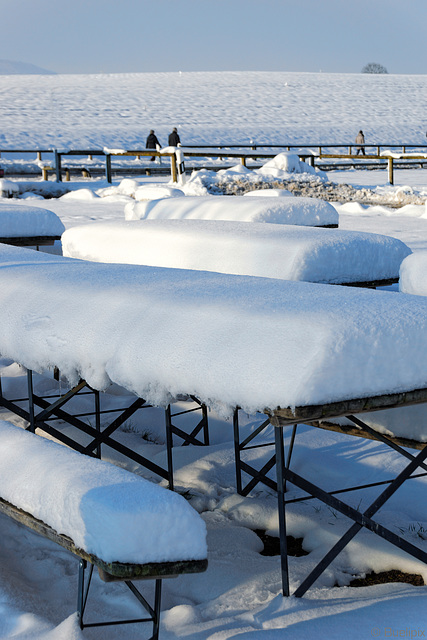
[106, 511]
[267, 250]
[413, 274]
[290, 210]
[229, 340]
[22, 224]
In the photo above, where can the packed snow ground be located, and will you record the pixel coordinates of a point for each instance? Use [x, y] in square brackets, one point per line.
[240, 593]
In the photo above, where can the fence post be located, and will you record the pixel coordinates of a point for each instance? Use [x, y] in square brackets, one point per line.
[173, 168]
[108, 167]
[390, 171]
[58, 166]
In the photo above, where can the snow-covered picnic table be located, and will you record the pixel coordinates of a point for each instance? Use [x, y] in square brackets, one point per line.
[279, 251]
[287, 210]
[24, 225]
[229, 340]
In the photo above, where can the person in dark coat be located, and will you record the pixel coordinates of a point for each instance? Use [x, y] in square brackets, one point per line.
[152, 142]
[360, 139]
[174, 138]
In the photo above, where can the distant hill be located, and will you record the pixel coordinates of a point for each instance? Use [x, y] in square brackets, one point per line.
[11, 67]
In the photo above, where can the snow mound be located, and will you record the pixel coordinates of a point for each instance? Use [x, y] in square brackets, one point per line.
[107, 511]
[283, 168]
[23, 221]
[80, 194]
[285, 163]
[301, 253]
[291, 210]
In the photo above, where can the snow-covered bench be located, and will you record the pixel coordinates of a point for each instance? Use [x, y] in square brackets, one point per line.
[413, 274]
[287, 252]
[309, 212]
[127, 527]
[23, 225]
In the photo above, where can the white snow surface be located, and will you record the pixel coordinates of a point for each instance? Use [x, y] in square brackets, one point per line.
[107, 511]
[268, 250]
[292, 210]
[413, 274]
[164, 332]
[17, 220]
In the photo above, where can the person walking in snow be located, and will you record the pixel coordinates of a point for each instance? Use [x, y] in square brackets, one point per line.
[174, 138]
[360, 139]
[152, 142]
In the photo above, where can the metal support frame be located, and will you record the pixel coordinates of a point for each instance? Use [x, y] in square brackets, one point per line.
[188, 438]
[202, 425]
[257, 475]
[360, 520]
[54, 410]
[83, 592]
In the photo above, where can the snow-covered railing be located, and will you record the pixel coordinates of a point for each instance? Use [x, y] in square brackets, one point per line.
[243, 152]
[127, 527]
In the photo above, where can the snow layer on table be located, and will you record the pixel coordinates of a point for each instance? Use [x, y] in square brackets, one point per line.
[107, 511]
[300, 253]
[23, 221]
[413, 274]
[290, 210]
[155, 192]
[229, 340]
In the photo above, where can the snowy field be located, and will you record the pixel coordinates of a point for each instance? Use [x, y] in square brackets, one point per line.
[239, 596]
[93, 111]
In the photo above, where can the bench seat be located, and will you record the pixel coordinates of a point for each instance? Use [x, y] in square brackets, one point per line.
[107, 512]
[290, 210]
[127, 527]
[23, 225]
[329, 256]
[108, 571]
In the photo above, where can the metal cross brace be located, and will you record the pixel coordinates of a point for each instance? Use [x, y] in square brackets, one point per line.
[83, 592]
[284, 474]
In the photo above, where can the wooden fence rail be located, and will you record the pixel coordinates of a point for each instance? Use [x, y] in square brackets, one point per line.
[388, 154]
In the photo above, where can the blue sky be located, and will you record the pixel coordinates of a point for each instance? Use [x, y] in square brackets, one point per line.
[92, 36]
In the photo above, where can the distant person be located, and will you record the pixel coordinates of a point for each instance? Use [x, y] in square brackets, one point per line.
[152, 142]
[174, 138]
[360, 139]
